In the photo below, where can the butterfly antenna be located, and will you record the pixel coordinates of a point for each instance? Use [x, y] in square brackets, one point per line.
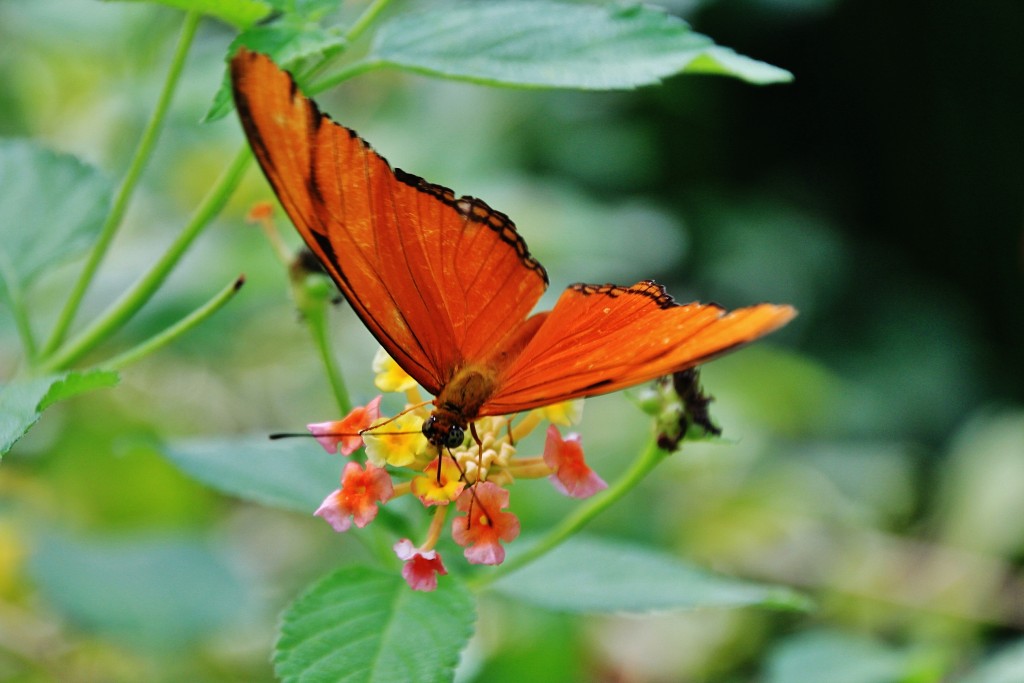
[291, 435]
[395, 417]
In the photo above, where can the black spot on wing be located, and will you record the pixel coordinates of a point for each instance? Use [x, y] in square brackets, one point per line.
[596, 385]
[324, 242]
[256, 141]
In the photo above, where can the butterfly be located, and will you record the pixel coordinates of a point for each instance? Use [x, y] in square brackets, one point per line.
[447, 285]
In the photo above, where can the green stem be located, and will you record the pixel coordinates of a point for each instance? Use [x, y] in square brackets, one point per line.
[124, 193]
[19, 309]
[176, 330]
[580, 518]
[132, 300]
[364, 21]
[358, 27]
[316, 316]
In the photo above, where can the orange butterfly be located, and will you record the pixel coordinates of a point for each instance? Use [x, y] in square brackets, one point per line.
[446, 284]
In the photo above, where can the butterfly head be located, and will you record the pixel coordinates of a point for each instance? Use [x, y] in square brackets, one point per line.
[442, 430]
[458, 404]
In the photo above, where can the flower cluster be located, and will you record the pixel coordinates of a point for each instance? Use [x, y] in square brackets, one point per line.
[399, 461]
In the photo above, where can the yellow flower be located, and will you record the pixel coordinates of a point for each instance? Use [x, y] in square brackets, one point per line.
[565, 413]
[438, 489]
[390, 377]
[398, 443]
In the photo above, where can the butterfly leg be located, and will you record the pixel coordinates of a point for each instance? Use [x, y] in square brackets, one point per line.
[479, 449]
[476, 437]
[469, 487]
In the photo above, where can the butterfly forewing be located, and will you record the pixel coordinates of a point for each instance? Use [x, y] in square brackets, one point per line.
[440, 281]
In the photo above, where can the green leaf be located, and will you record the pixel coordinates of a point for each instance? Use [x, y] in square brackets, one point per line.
[53, 206]
[556, 45]
[22, 402]
[287, 41]
[847, 659]
[294, 476]
[360, 624]
[160, 593]
[723, 61]
[591, 575]
[238, 13]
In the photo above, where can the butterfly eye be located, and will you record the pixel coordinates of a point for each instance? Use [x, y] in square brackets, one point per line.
[456, 435]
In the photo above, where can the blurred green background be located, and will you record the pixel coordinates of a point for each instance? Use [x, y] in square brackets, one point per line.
[874, 452]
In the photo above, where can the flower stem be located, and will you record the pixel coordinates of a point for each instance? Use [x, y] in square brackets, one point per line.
[132, 300]
[436, 526]
[526, 425]
[529, 468]
[648, 459]
[125, 191]
[316, 316]
[365, 19]
[357, 29]
[19, 311]
[176, 330]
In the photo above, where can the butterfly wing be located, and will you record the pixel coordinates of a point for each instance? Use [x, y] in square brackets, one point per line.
[438, 280]
[601, 338]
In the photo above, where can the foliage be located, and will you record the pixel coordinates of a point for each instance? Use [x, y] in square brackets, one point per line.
[429, 629]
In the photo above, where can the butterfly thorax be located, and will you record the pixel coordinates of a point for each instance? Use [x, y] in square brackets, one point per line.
[458, 404]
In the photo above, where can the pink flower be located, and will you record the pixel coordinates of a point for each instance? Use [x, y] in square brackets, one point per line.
[360, 490]
[346, 431]
[571, 475]
[421, 566]
[484, 525]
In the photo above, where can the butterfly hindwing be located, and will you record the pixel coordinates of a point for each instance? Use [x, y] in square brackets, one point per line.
[602, 338]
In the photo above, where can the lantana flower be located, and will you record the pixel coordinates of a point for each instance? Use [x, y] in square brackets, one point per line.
[421, 566]
[389, 375]
[438, 488]
[357, 498]
[400, 443]
[488, 460]
[571, 475]
[346, 434]
[485, 525]
[565, 413]
[473, 475]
